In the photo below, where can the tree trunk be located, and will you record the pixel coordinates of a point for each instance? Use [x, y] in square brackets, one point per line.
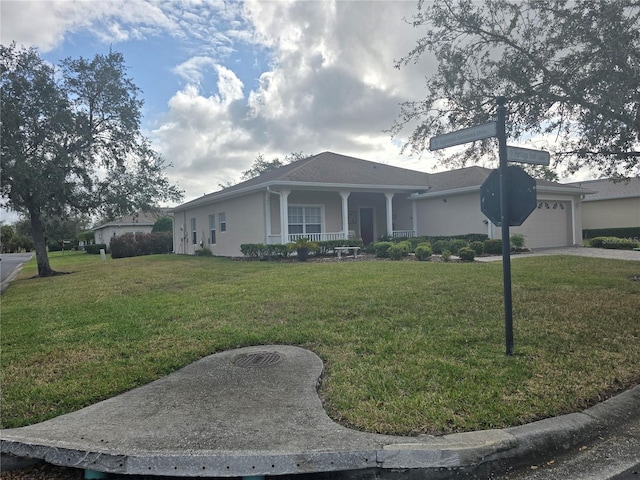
[37, 232]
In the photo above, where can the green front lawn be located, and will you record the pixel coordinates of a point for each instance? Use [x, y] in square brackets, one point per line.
[409, 347]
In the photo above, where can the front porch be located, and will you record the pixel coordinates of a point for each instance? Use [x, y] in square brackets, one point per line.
[325, 215]
[320, 237]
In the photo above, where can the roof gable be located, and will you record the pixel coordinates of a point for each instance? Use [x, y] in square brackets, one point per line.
[332, 168]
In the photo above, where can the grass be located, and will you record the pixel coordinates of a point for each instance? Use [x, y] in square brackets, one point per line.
[409, 347]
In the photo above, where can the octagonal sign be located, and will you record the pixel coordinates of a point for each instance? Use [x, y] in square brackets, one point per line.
[521, 194]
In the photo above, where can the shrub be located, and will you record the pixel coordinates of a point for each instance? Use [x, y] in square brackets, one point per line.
[203, 252]
[54, 246]
[123, 246]
[159, 242]
[133, 245]
[456, 244]
[467, 254]
[423, 251]
[624, 232]
[493, 247]
[439, 246]
[251, 250]
[446, 255]
[477, 247]
[95, 249]
[381, 249]
[517, 240]
[614, 243]
[406, 247]
[396, 252]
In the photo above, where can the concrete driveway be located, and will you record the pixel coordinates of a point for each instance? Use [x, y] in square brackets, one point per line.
[577, 251]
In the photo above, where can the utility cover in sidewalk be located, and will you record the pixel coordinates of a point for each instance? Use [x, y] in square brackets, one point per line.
[258, 359]
[522, 196]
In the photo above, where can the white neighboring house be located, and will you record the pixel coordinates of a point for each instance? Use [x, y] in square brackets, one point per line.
[615, 205]
[139, 222]
[330, 197]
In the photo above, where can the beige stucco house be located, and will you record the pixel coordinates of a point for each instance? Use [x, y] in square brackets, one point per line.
[330, 196]
[616, 204]
[139, 222]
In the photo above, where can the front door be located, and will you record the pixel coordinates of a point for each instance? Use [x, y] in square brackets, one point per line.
[366, 225]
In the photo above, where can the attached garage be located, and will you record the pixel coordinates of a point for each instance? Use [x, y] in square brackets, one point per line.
[550, 224]
[451, 207]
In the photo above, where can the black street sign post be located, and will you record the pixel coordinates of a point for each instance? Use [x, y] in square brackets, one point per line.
[505, 187]
[504, 219]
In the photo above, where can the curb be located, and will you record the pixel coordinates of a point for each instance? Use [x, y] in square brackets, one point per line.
[440, 457]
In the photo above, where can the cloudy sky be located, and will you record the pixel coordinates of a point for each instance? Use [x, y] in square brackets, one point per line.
[225, 80]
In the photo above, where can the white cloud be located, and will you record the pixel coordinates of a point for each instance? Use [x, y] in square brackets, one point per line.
[327, 80]
[45, 23]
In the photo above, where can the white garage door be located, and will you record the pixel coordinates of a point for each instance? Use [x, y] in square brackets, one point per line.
[548, 226]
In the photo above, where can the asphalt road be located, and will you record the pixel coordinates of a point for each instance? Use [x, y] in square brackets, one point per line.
[10, 266]
[615, 456]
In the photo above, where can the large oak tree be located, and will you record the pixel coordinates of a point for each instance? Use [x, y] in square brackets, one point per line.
[569, 69]
[71, 142]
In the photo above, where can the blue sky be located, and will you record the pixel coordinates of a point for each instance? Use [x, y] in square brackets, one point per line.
[224, 81]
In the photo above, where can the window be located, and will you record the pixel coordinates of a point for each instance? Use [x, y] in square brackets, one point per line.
[305, 220]
[223, 222]
[194, 233]
[212, 227]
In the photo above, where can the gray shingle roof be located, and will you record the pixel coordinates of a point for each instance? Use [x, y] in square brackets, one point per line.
[137, 218]
[609, 189]
[333, 169]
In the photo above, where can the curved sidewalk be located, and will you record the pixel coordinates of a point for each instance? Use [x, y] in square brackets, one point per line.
[255, 411]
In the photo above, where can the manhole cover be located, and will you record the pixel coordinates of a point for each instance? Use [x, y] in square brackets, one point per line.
[258, 359]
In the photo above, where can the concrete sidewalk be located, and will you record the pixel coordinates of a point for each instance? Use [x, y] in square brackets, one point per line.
[255, 411]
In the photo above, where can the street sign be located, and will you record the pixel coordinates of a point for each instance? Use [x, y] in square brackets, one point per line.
[522, 196]
[526, 155]
[466, 135]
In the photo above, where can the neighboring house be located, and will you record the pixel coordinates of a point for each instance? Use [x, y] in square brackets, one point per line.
[615, 205]
[139, 222]
[330, 196]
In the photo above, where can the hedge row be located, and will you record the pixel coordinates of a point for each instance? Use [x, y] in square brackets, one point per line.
[260, 251]
[614, 243]
[134, 245]
[466, 247]
[628, 232]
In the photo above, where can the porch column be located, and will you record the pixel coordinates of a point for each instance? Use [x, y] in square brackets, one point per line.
[414, 217]
[267, 216]
[345, 213]
[284, 216]
[389, 213]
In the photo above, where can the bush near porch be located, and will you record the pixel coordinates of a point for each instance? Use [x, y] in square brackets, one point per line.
[260, 251]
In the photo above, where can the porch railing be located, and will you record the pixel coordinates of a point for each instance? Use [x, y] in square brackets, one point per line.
[317, 237]
[403, 233]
